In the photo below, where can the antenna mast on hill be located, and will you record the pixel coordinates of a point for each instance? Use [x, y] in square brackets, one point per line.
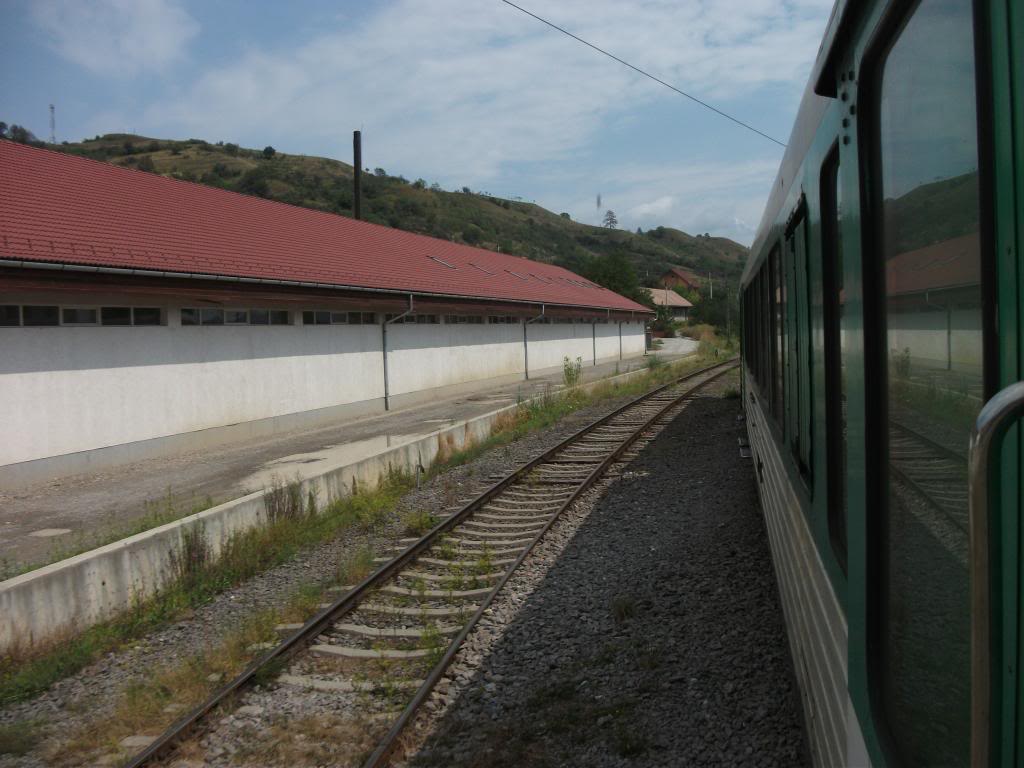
[53, 126]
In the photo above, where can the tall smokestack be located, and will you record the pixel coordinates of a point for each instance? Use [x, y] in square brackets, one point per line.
[357, 178]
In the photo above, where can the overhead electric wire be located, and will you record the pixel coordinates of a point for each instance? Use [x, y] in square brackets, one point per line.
[645, 74]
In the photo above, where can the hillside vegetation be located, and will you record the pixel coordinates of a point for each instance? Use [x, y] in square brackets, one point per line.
[510, 226]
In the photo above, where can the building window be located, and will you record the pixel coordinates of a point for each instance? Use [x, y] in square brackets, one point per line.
[116, 316]
[79, 316]
[463, 319]
[40, 316]
[10, 314]
[147, 316]
[504, 319]
[214, 316]
[339, 318]
[211, 316]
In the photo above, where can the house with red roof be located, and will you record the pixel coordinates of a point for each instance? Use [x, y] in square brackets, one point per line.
[677, 306]
[677, 277]
[141, 315]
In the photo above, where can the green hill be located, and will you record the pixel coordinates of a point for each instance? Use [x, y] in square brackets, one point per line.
[511, 226]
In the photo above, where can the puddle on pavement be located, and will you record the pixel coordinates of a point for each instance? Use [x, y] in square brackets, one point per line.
[303, 465]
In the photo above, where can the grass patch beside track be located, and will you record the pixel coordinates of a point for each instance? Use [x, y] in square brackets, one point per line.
[297, 524]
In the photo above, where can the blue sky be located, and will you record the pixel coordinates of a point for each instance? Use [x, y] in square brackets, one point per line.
[461, 92]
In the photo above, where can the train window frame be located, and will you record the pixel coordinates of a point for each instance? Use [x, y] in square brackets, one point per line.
[800, 354]
[886, 34]
[832, 282]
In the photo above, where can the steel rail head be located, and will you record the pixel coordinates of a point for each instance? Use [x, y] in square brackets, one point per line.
[298, 641]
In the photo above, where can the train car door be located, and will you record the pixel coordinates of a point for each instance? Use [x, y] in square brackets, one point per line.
[932, 359]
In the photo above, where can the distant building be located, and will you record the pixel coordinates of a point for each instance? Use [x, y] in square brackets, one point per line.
[678, 277]
[678, 307]
[142, 316]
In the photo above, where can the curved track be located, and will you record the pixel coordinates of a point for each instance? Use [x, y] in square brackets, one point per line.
[398, 630]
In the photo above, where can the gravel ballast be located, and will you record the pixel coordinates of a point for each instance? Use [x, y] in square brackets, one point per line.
[654, 638]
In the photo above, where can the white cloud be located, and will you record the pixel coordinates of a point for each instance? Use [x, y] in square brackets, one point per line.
[458, 89]
[656, 209]
[467, 92]
[116, 37]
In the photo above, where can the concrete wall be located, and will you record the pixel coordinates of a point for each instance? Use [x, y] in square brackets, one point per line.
[551, 343]
[607, 341]
[936, 340]
[430, 356]
[633, 339]
[75, 399]
[73, 389]
[73, 594]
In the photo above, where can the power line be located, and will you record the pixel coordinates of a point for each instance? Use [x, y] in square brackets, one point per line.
[645, 74]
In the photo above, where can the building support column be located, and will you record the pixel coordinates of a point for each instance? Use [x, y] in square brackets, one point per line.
[384, 348]
[620, 339]
[593, 338]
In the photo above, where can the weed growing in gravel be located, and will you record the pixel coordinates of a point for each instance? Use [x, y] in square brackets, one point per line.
[434, 642]
[418, 522]
[655, 363]
[17, 738]
[485, 562]
[356, 567]
[446, 549]
[152, 702]
[419, 586]
[454, 580]
[628, 743]
[572, 371]
[623, 608]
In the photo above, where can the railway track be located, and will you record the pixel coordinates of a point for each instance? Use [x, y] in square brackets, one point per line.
[391, 637]
[935, 472]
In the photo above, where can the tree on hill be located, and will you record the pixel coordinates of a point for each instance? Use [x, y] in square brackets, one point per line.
[609, 219]
[269, 152]
[614, 272]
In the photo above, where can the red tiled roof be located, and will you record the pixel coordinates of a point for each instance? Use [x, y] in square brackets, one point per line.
[948, 264]
[666, 297]
[70, 210]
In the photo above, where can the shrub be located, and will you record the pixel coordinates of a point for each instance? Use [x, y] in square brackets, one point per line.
[572, 371]
[269, 152]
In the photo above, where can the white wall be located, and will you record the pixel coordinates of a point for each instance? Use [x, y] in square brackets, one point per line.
[429, 356]
[633, 343]
[65, 390]
[932, 343]
[607, 341]
[551, 343]
[73, 389]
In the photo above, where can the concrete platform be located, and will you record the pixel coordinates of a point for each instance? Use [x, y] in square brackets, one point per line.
[56, 516]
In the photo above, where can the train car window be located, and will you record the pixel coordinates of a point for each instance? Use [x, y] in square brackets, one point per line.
[833, 303]
[929, 349]
[798, 352]
[778, 312]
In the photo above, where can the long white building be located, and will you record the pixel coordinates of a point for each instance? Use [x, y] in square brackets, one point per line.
[142, 316]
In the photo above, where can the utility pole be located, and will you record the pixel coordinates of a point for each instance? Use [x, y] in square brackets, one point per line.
[712, 283]
[357, 176]
[53, 126]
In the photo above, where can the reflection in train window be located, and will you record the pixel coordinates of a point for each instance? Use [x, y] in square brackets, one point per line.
[931, 329]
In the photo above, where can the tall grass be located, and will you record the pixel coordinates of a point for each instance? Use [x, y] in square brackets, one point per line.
[198, 579]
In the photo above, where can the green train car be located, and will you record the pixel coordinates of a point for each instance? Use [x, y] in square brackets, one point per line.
[883, 306]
